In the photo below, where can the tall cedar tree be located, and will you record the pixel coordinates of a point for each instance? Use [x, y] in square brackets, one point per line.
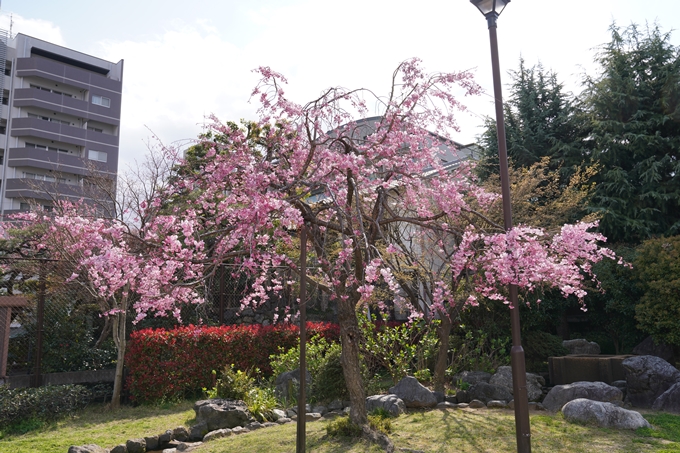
[540, 121]
[633, 106]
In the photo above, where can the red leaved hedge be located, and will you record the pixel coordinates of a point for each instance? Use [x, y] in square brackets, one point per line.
[165, 364]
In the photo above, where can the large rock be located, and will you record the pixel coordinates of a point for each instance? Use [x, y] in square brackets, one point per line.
[197, 432]
[136, 446]
[487, 392]
[535, 383]
[181, 433]
[288, 384]
[560, 395]
[669, 401]
[650, 347]
[391, 403]
[581, 346]
[221, 413]
[647, 378]
[471, 377]
[151, 443]
[413, 393]
[605, 415]
[90, 448]
[462, 396]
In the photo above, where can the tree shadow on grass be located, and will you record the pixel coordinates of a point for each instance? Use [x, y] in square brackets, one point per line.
[452, 429]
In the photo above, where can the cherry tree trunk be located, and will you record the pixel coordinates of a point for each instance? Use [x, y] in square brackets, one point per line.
[119, 321]
[443, 332]
[350, 336]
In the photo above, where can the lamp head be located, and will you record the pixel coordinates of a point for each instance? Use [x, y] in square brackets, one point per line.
[492, 8]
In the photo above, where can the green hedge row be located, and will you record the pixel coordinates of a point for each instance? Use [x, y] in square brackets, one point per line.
[43, 403]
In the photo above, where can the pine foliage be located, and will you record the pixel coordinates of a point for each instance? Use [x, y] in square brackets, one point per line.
[634, 111]
[541, 120]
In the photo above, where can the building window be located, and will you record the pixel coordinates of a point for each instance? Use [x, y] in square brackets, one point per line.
[95, 129]
[99, 156]
[101, 100]
[24, 206]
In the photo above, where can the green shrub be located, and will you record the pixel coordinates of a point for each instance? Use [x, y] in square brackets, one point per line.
[240, 385]
[343, 427]
[329, 382]
[400, 349]
[232, 384]
[42, 403]
[261, 402]
[424, 375]
[381, 422]
[477, 351]
[538, 346]
[324, 366]
[658, 268]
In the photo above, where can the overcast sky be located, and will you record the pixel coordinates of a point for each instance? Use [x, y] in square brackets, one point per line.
[186, 60]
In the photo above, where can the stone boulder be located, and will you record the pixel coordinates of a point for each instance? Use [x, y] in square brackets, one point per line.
[647, 378]
[278, 413]
[323, 410]
[560, 395]
[476, 404]
[90, 448]
[136, 446]
[217, 434]
[221, 413]
[181, 433]
[197, 432]
[650, 347]
[152, 443]
[604, 415]
[487, 392]
[287, 385]
[581, 346]
[535, 383]
[471, 377]
[413, 393]
[669, 401]
[463, 396]
[391, 403]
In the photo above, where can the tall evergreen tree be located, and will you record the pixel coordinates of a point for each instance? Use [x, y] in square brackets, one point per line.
[540, 121]
[634, 110]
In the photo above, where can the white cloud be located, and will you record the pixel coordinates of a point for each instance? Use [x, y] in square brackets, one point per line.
[172, 82]
[37, 28]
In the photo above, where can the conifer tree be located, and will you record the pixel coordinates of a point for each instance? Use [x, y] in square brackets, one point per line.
[634, 111]
[541, 120]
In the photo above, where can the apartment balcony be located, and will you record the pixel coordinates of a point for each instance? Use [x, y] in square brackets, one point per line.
[66, 74]
[57, 162]
[36, 127]
[33, 97]
[25, 188]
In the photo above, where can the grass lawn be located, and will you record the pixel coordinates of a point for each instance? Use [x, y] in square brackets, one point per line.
[98, 425]
[467, 430]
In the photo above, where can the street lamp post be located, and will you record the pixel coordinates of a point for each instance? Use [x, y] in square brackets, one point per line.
[491, 9]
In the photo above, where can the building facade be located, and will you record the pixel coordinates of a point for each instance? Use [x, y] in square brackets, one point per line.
[59, 125]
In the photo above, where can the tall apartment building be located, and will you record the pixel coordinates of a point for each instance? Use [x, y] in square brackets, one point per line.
[59, 124]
